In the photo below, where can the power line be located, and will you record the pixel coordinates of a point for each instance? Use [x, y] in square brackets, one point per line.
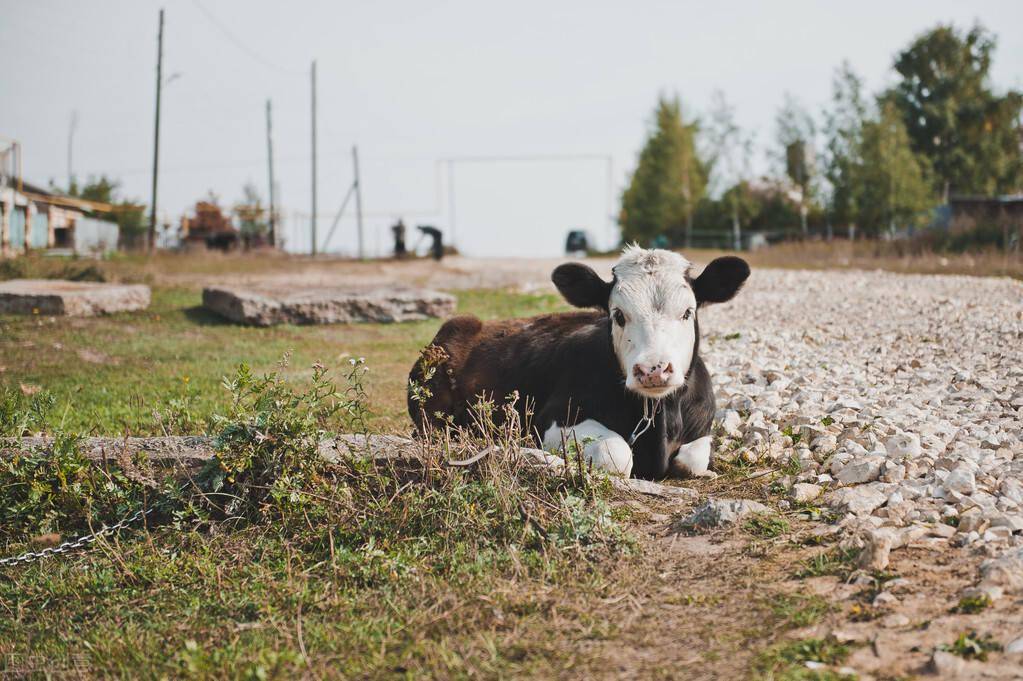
[242, 46]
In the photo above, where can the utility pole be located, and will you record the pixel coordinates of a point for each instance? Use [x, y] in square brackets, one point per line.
[358, 200]
[451, 198]
[313, 221]
[156, 133]
[70, 146]
[270, 164]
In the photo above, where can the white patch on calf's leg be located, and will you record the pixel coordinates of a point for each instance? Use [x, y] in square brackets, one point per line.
[692, 459]
[605, 449]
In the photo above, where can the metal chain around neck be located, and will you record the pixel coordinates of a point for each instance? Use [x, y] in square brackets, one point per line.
[650, 407]
[67, 546]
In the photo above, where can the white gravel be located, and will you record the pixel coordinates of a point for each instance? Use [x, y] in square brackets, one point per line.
[900, 395]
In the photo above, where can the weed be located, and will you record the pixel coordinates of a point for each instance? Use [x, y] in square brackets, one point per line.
[23, 412]
[59, 490]
[797, 610]
[836, 561]
[766, 525]
[788, 431]
[787, 660]
[969, 605]
[733, 336]
[972, 646]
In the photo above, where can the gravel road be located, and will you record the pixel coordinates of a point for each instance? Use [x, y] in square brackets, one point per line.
[899, 399]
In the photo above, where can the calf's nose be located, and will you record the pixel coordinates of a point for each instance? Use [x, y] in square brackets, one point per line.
[653, 375]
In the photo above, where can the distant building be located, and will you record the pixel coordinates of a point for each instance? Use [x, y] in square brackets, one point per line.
[1007, 207]
[35, 219]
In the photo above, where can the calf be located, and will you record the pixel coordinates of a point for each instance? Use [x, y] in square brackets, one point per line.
[624, 378]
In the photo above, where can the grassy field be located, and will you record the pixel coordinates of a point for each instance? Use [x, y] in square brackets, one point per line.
[113, 375]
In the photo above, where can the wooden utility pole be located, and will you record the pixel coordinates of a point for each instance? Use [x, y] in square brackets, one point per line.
[358, 200]
[156, 133]
[313, 220]
[270, 165]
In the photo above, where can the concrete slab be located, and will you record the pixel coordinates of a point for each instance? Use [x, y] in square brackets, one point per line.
[266, 307]
[70, 298]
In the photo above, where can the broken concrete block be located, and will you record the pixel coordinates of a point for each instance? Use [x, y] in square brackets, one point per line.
[57, 297]
[265, 307]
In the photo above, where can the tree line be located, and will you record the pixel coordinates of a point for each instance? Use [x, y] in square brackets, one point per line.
[865, 165]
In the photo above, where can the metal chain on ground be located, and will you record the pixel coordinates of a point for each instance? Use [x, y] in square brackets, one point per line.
[67, 546]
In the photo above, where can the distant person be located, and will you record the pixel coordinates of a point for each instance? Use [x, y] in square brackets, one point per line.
[437, 249]
[399, 239]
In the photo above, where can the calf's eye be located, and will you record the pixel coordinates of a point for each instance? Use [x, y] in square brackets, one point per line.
[619, 317]
[686, 315]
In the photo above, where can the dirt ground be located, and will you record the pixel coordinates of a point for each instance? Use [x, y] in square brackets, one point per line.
[707, 605]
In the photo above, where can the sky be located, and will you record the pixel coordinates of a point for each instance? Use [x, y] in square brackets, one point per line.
[505, 124]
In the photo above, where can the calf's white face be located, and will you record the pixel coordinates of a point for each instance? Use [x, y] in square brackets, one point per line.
[652, 303]
[653, 320]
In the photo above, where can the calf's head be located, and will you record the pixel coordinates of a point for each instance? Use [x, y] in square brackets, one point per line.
[652, 302]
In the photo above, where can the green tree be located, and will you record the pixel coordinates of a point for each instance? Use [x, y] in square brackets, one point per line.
[130, 215]
[970, 134]
[669, 181]
[891, 185]
[252, 216]
[843, 128]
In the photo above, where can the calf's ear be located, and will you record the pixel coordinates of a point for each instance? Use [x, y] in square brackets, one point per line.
[581, 286]
[720, 280]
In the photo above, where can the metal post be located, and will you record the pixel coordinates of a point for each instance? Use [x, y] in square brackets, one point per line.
[70, 146]
[270, 164]
[313, 220]
[156, 133]
[451, 198]
[358, 200]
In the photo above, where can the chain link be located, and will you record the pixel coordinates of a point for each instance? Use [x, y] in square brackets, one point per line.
[67, 546]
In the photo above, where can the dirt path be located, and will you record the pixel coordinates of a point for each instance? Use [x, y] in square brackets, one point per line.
[722, 603]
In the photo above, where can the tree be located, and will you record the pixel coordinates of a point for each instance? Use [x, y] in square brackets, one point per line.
[970, 135]
[251, 214]
[795, 131]
[843, 128]
[731, 161]
[891, 185]
[669, 181]
[130, 215]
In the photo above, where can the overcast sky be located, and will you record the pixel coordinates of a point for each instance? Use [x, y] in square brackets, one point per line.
[414, 82]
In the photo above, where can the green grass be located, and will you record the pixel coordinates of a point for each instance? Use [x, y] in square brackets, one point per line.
[972, 646]
[834, 561]
[111, 374]
[970, 605]
[785, 661]
[798, 610]
[767, 525]
[271, 562]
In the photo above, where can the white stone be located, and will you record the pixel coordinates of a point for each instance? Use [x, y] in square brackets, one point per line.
[859, 471]
[904, 446]
[56, 297]
[720, 512]
[861, 500]
[876, 549]
[804, 493]
[962, 480]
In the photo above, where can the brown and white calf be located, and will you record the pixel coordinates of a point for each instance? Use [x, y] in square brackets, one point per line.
[624, 379]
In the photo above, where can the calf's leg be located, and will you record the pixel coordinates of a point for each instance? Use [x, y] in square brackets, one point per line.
[602, 447]
[692, 459]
